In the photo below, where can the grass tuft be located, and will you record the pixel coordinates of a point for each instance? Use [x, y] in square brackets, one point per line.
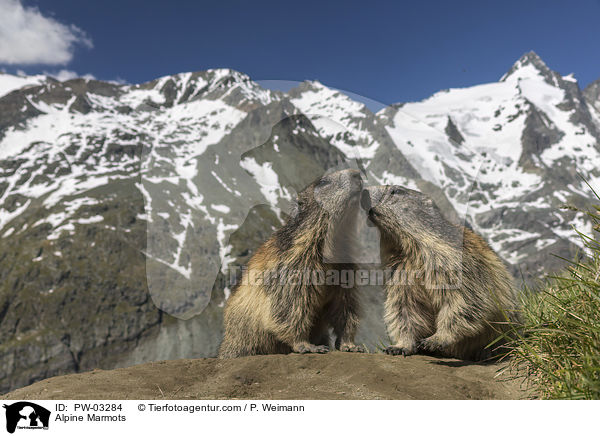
[558, 343]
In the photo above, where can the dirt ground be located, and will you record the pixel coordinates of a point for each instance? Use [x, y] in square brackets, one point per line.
[329, 376]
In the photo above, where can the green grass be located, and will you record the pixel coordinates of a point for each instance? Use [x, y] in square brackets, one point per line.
[557, 345]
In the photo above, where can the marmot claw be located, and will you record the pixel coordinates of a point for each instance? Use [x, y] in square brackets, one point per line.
[351, 348]
[310, 348]
[396, 351]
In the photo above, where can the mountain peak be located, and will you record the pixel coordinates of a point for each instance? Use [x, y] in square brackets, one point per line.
[533, 57]
[528, 65]
[10, 82]
[592, 94]
[310, 85]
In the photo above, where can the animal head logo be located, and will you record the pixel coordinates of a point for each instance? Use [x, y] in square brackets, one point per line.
[26, 415]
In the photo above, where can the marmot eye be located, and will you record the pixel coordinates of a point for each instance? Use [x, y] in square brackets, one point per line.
[397, 191]
[323, 182]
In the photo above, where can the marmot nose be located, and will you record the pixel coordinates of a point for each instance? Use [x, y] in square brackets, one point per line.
[355, 178]
[365, 200]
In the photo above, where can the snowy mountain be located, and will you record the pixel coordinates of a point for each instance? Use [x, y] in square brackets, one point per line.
[592, 94]
[507, 155]
[10, 82]
[120, 200]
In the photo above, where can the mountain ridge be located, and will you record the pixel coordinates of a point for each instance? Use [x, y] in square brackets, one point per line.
[124, 208]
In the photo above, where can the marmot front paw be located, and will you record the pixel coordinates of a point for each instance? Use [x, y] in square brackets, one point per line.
[310, 348]
[432, 344]
[396, 351]
[351, 348]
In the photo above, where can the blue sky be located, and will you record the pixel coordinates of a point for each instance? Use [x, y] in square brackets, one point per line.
[386, 51]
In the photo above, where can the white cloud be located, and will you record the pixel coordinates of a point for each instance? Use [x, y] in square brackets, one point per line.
[28, 37]
[63, 75]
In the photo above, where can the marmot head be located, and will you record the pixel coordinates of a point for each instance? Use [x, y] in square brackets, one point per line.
[334, 194]
[403, 215]
[325, 214]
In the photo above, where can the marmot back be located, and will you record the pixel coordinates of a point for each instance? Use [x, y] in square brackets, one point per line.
[449, 294]
[287, 298]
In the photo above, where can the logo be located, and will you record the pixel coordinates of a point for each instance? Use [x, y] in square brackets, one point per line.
[26, 415]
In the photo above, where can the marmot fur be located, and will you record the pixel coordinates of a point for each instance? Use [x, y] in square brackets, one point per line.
[276, 308]
[449, 293]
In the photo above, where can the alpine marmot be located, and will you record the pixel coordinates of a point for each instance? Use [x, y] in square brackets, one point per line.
[449, 294]
[290, 295]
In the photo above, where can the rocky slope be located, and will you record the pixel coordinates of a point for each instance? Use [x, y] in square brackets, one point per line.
[592, 94]
[126, 209]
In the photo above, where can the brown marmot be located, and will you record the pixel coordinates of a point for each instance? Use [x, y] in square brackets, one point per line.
[449, 294]
[289, 295]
